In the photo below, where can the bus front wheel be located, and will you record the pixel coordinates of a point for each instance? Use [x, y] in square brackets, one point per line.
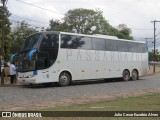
[126, 75]
[64, 79]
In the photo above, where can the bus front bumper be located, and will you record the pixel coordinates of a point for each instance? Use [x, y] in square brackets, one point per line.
[27, 81]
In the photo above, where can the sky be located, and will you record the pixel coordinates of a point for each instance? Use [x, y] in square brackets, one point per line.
[136, 14]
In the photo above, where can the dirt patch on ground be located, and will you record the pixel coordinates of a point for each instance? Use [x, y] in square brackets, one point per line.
[69, 102]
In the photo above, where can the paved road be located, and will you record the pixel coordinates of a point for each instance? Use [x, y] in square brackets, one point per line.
[23, 95]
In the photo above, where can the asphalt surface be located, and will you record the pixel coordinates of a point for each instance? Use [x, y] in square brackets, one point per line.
[32, 94]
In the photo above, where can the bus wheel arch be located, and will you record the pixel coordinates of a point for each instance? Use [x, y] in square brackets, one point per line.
[135, 74]
[65, 78]
[126, 75]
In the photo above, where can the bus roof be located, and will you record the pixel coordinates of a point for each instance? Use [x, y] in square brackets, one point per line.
[94, 35]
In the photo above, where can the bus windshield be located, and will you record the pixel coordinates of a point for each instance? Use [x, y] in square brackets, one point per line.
[25, 63]
[31, 42]
[39, 51]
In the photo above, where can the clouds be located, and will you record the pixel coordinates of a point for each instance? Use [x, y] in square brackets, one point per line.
[136, 14]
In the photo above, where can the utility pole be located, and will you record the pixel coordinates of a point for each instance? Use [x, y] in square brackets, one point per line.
[154, 22]
[147, 44]
[2, 44]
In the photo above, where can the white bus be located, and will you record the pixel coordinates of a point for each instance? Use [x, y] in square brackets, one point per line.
[63, 57]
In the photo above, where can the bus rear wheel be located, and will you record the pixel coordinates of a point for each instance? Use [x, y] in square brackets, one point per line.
[134, 75]
[64, 79]
[126, 75]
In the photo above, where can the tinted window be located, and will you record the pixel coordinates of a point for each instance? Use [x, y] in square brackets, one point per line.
[50, 41]
[122, 46]
[68, 41]
[43, 60]
[133, 47]
[84, 42]
[98, 44]
[30, 42]
[142, 47]
[111, 45]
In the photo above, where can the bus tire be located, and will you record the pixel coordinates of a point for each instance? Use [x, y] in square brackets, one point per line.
[64, 79]
[126, 75]
[135, 75]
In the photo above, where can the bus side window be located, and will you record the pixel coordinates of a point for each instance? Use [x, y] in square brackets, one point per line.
[133, 47]
[111, 45]
[84, 43]
[123, 46]
[98, 44]
[142, 47]
[50, 41]
[69, 41]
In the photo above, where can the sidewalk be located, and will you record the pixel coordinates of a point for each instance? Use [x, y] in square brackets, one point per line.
[151, 70]
[7, 81]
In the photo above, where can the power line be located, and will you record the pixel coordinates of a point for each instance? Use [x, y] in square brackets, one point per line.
[39, 7]
[140, 29]
[27, 19]
[27, 24]
[64, 14]
[137, 28]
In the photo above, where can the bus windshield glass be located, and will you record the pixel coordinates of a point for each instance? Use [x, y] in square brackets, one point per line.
[30, 42]
[39, 51]
[26, 64]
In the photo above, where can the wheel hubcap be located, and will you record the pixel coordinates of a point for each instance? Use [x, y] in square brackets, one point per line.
[134, 75]
[63, 79]
[126, 76]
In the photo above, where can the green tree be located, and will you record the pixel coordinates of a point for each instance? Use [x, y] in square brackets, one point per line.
[19, 33]
[124, 32]
[151, 55]
[7, 29]
[88, 21]
[57, 25]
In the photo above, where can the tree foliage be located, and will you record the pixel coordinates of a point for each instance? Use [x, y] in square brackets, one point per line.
[19, 33]
[88, 21]
[7, 29]
[151, 55]
[57, 25]
[124, 32]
